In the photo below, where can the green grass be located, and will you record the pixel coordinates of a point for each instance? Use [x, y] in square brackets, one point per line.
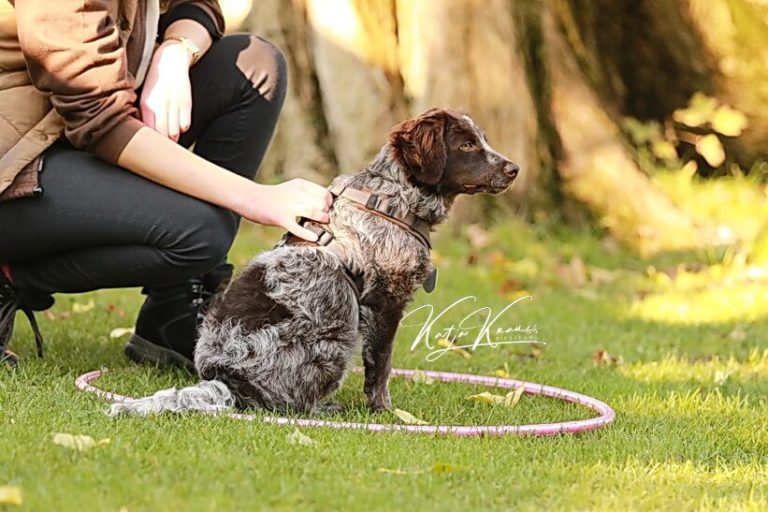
[691, 431]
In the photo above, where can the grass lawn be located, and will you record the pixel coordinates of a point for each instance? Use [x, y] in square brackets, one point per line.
[685, 366]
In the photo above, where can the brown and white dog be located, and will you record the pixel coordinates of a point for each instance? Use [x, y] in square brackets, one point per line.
[285, 332]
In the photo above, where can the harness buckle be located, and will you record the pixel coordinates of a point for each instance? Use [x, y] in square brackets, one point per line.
[373, 202]
[325, 237]
[391, 210]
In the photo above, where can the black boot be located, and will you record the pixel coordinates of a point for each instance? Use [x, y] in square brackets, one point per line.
[10, 302]
[166, 329]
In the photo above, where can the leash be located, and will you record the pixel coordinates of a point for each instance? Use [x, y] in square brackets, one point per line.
[383, 206]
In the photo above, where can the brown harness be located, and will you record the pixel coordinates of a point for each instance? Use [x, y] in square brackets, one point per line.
[382, 206]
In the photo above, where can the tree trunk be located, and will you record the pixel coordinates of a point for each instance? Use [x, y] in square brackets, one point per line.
[549, 82]
[595, 166]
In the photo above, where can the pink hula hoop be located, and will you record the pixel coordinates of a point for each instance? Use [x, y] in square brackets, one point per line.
[607, 414]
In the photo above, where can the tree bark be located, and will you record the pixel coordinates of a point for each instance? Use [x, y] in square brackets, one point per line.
[595, 166]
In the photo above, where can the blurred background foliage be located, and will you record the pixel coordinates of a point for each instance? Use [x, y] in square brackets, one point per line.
[646, 121]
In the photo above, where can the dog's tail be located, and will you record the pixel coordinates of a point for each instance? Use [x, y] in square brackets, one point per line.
[206, 396]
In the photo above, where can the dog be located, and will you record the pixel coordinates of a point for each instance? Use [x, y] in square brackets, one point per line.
[285, 332]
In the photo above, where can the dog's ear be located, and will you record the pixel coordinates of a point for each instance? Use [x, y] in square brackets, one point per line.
[419, 145]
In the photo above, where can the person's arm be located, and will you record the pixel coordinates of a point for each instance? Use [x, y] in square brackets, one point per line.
[73, 53]
[159, 159]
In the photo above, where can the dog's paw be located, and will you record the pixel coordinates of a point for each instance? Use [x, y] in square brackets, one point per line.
[329, 407]
[379, 402]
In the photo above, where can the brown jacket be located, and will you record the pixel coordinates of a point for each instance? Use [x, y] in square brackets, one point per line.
[67, 67]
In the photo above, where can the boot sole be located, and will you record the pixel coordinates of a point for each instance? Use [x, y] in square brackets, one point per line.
[142, 351]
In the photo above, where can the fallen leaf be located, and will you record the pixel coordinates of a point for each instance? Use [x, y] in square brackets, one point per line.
[519, 294]
[438, 468]
[722, 376]
[503, 372]
[738, 334]
[442, 467]
[119, 332]
[78, 307]
[447, 344]
[497, 259]
[509, 285]
[573, 274]
[603, 358]
[10, 495]
[487, 398]
[478, 237]
[408, 418]
[711, 149]
[602, 276]
[421, 378]
[515, 397]
[296, 437]
[509, 400]
[78, 442]
[397, 471]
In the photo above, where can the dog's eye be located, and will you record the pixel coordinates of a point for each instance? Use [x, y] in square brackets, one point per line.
[467, 146]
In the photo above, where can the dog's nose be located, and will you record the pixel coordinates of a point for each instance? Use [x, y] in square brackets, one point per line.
[511, 169]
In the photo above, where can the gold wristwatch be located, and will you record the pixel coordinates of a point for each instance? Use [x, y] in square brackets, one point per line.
[188, 45]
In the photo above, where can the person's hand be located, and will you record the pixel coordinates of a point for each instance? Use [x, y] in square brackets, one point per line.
[281, 205]
[166, 101]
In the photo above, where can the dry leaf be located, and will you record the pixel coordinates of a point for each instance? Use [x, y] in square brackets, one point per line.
[119, 332]
[478, 237]
[421, 378]
[10, 495]
[509, 285]
[447, 344]
[728, 121]
[438, 467]
[738, 334]
[536, 352]
[603, 358]
[574, 274]
[602, 276]
[511, 399]
[442, 467]
[78, 442]
[502, 372]
[397, 471]
[487, 398]
[296, 437]
[408, 418]
[722, 376]
[496, 259]
[77, 307]
[710, 148]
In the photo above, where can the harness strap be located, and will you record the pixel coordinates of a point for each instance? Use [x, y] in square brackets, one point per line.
[377, 204]
[325, 238]
[385, 206]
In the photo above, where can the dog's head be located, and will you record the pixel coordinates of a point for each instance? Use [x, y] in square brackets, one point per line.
[446, 150]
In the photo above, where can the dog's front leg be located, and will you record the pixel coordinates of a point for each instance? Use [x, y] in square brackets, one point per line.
[378, 330]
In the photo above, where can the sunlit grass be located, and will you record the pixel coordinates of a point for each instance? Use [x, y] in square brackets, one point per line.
[689, 391]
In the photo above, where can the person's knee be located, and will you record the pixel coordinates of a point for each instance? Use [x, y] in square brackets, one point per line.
[264, 65]
[205, 238]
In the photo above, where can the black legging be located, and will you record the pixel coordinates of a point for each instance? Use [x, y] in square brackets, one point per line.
[100, 226]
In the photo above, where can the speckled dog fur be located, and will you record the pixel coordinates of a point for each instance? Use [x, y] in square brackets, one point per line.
[285, 332]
